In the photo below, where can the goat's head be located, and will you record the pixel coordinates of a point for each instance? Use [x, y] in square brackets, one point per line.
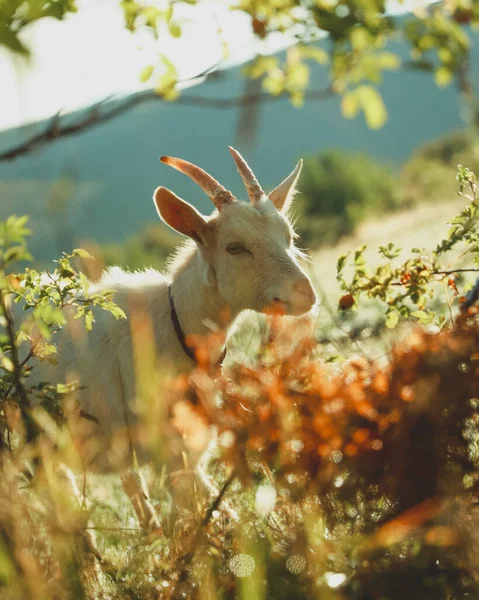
[248, 248]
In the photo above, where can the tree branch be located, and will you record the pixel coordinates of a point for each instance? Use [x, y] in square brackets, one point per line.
[95, 116]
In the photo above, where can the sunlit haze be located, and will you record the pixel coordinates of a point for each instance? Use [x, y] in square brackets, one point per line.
[91, 55]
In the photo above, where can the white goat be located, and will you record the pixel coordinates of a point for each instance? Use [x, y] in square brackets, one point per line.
[241, 257]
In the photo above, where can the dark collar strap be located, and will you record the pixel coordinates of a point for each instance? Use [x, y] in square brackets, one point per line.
[181, 336]
[88, 417]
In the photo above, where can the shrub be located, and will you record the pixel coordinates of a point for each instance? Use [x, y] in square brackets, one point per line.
[149, 248]
[43, 298]
[338, 190]
[428, 176]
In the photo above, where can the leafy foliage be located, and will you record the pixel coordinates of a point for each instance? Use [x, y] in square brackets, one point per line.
[15, 15]
[359, 33]
[406, 288]
[357, 58]
[43, 298]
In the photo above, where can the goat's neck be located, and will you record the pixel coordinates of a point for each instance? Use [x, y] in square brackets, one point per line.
[199, 306]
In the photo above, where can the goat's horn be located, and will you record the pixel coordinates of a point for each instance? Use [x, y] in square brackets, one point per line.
[251, 183]
[218, 194]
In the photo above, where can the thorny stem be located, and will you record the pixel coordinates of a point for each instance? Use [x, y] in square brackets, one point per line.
[31, 429]
[217, 501]
[187, 556]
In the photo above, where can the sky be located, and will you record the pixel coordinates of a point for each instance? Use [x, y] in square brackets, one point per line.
[90, 55]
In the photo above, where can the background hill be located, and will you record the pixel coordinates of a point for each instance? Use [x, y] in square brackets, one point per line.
[98, 185]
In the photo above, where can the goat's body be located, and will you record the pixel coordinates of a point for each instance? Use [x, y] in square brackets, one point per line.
[102, 361]
[241, 257]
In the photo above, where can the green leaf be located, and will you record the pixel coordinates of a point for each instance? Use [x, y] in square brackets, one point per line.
[49, 349]
[392, 319]
[274, 83]
[297, 77]
[260, 66]
[166, 85]
[13, 230]
[373, 106]
[117, 312]
[360, 38]
[62, 388]
[341, 263]
[390, 251]
[315, 53]
[358, 255]
[389, 60]
[82, 254]
[350, 105]
[48, 314]
[445, 55]
[297, 99]
[443, 76]
[89, 320]
[146, 73]
[16, 253]
[174, 29]
[423, 317]
[7, 364]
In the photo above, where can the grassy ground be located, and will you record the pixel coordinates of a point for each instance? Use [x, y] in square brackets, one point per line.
[144, 567]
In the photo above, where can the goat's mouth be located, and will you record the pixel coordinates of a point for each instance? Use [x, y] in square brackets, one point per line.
[278, 307]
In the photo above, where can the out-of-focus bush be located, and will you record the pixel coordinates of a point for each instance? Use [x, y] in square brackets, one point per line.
[149, 248]
[340, 189]
[428, 176]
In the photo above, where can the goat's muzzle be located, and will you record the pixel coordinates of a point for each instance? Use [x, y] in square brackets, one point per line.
[302, 297]
[297, 299]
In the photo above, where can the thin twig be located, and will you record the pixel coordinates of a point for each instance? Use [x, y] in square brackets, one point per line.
[99, 528]
[453, 271]
[187, 556]
[217, 501]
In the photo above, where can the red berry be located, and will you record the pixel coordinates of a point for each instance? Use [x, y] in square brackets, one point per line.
[346, 301]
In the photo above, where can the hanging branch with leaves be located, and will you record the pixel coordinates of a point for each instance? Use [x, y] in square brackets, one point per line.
[355, 56]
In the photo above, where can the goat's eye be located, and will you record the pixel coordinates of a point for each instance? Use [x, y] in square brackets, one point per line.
[235, 249]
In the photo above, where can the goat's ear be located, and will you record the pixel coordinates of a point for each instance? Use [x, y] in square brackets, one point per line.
[282, 196]
[180, 215]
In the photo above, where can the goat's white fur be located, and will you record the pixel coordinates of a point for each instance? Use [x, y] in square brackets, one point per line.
[209, 286]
